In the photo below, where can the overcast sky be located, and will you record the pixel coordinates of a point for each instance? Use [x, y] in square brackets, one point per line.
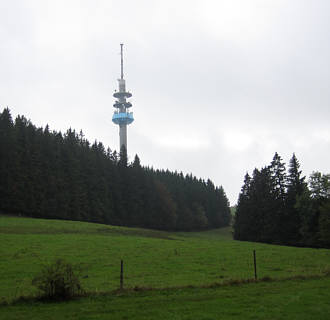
[218, 86]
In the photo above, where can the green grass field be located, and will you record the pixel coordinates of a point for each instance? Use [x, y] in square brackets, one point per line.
[158, 260]
[294, 300]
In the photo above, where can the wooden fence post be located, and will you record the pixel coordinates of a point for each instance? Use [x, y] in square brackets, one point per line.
[255, 264]
[121, 274]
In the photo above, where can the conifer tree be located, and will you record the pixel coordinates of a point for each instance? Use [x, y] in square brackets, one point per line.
[278, 176]
[296, 186]
[278, 180]
[243, 214]
[7, 159]
[136, 163]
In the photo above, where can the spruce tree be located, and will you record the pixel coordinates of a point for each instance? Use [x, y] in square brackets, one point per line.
[7, 160]
[136, 163]
[295, 188]
[243, 213]
[278, 180]
[278, 176]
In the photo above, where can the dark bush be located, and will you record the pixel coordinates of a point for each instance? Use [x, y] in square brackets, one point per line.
[58, 281]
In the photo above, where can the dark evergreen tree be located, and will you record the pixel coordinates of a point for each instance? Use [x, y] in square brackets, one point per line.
[243, 214]
[278, 190]
[296, 186]
[265, 224]
[278, 176]
[136, 163]
[309, 213]
[222, 214]
[7, 160]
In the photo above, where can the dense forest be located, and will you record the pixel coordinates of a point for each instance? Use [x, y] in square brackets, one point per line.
[279, 206]
[48, 174]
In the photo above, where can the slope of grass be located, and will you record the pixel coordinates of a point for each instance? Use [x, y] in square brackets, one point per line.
[294, 300]
[151, 258]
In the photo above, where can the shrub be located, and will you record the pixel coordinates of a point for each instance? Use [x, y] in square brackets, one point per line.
[58, 281]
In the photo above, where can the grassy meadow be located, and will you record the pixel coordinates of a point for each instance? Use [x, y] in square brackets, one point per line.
[294, 300]
[159, 260]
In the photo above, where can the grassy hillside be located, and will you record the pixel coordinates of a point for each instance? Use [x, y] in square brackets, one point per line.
[151, 258]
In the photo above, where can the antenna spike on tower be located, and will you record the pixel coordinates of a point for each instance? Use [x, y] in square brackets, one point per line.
[121, 60]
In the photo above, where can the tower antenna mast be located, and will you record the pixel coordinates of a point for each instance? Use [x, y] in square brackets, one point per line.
[122, 61]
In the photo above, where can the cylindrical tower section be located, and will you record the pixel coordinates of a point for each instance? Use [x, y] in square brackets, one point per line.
[122, 85]
[123, 136]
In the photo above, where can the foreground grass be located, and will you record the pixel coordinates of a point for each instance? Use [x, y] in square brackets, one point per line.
[151, 258]
[304, 299]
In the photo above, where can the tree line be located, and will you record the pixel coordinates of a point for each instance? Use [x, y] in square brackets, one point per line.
[279, 206]
[48, 174]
